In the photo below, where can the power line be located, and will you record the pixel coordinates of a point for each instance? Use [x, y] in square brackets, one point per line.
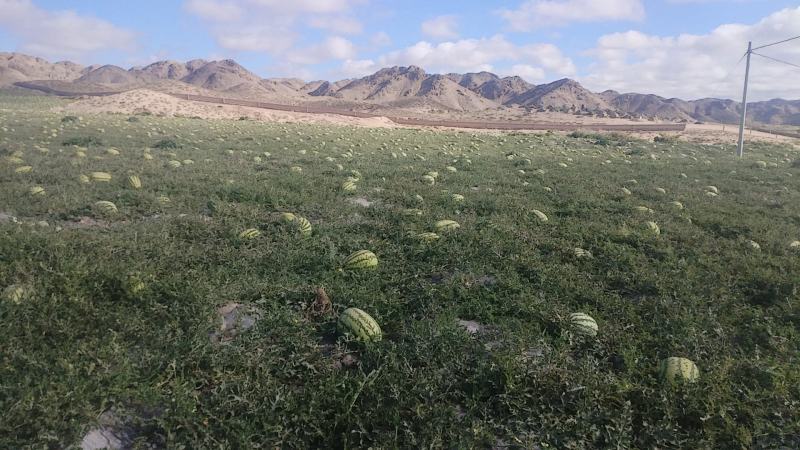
[778, 60]
[776, 43]
[740, 147]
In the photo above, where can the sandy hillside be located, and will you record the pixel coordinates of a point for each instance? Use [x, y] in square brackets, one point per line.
[146, 101]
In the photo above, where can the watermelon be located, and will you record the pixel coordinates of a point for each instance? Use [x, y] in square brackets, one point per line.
[250, 233]
[674, 368]
[304, 226]
[427, 237]
[540, 215]
[362, 259]
[446, 225]
[36, 191]
[14, 293]
[134, 182]
[349, 186]
[104, 177]
[134, 284]
[653, 228]
[359, 325]
[583, 324]
[105, 207]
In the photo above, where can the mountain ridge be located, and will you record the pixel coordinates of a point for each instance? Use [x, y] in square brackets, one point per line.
[397, 86]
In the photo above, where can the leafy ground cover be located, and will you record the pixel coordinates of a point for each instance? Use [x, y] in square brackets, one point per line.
[133, 315]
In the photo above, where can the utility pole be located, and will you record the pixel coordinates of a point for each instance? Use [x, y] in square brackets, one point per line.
[740, 149]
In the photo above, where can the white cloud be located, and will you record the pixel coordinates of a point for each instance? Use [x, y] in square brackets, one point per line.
[534, 14]
[256, 38]
[471, 55]
[527, 72]
[271, 26]
[380, 39]
[693, 66]
[303, 6]
[340, 24]
[442, 27]
[217, 10]
[61, 34]
[357, 68]
[334, 47]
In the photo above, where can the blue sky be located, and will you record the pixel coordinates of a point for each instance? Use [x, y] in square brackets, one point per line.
[684, 48]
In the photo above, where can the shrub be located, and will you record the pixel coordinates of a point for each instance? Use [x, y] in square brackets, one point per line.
[665, 139]
[165, 144]
[82, 141]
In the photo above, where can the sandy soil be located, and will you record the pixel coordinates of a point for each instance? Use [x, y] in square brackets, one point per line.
[157, 103]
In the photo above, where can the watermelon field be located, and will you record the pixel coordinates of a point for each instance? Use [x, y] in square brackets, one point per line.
[182, 283]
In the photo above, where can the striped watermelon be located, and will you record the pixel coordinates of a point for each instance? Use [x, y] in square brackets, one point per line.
[134, 284]
[23, 169]
[112, 152]
[427, 237]
[674, 368]
[36, 191]
[304, 226]
[83, 179]
[103, 177]
[446, 225]
[427, 179]
[583, 324]
[360, 325]
[458, 198]
[163, 200]
[134, 182]
[362, 259]
[174, 164]
[288, 217]
[540, 215]
[581, 253]
[250, 233]
[14, 293]
[653, 227]
[187, 162]
[105, 207]
[349, 186]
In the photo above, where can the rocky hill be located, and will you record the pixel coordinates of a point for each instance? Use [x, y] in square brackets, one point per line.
[407, 86]
[392, 87]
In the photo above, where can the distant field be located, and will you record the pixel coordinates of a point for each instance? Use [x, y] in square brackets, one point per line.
[112, 320]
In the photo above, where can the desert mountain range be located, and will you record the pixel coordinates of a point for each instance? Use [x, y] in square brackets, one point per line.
[394, 87]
